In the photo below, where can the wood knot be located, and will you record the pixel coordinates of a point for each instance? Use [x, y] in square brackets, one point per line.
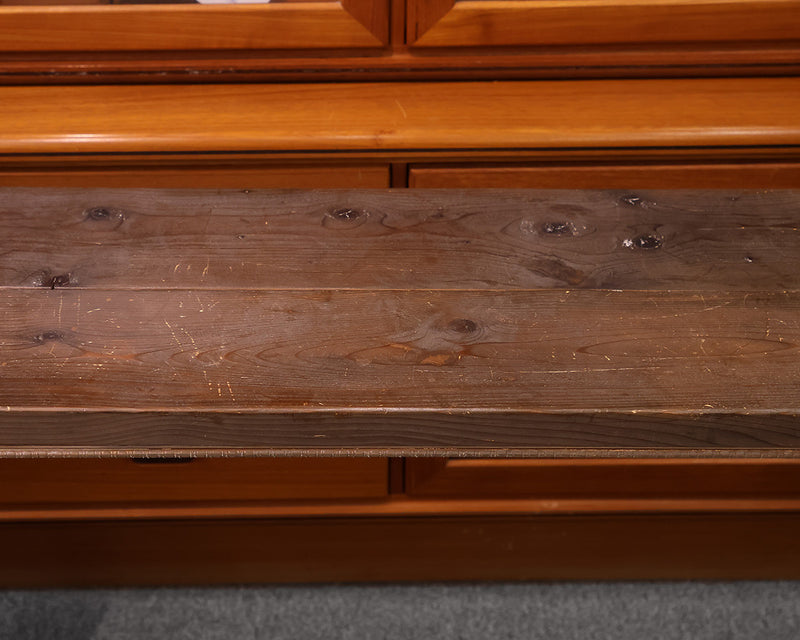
[645, 241]
[345, 217]
[48, 336]
[62, 280]
[557, 228]
[105, 214]
[462, 325]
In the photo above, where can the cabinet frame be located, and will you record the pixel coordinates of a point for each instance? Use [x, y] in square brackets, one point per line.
[350, 24]
[505, 23]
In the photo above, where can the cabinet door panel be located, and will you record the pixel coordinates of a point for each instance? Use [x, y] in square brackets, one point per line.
[502, 23]
[46, 483]
[603, 480]
[745, 175]
[201, 177]
[170, 27]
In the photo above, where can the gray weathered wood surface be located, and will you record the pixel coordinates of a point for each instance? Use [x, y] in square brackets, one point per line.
[374, 322]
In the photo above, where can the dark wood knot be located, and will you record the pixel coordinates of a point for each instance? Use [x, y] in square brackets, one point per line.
[48, 336]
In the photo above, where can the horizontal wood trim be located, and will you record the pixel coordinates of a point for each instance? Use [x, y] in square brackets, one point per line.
[665, 60]
[674, 546]
[449, 240]
[379, 117]
[395, 508]
[297, 25]
[566, 482]
[580, 22]
[44, 484]
[219, 176]
[738, 175]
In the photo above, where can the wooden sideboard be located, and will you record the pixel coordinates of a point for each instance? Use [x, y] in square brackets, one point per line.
[255, 386]
[373, 40]
[179, 476]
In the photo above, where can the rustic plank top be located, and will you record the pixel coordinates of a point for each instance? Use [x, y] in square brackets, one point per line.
[427, 322]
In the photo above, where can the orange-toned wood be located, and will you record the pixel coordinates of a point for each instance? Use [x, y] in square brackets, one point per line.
[672, 546]
[203, 175]
[387, 117]
[691, 175]
[282, 25]
[262, 65]
[605, 480]
[48, 483]
[446, 23]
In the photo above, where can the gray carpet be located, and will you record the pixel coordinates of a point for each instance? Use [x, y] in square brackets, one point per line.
[645, 611]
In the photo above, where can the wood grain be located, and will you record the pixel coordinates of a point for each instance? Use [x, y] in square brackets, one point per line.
[466, 368]
[200, 175]
[662, 60]
[686, 175]
[598, 547]
[481, 239]
[389, 117]
[283, 25]
[553, 22]
[28, 484]
[605, 481]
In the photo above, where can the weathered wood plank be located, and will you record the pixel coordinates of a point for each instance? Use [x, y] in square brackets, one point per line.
[480, 239]
[388, 369]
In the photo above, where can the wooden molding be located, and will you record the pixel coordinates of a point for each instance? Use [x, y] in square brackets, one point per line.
[389, 118]
[368, 549]
[506, 23]
[289, 25]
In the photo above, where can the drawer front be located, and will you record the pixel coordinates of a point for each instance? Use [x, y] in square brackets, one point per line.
[744, 175]
[56, 482]
[604, 479]
[219, 176]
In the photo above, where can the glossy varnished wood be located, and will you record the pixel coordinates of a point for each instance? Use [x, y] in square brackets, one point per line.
[609, 482]
[521, 547]
[383, 118]
[447, 23]
[604, 175]
[283, 25]
[243, 174]
[29, 484]
[504, 239]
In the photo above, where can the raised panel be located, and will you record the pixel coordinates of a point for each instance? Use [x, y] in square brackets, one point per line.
[504, 23]
[626, 484]
[42, 484]
[688, 175]
[244, 175]
[280, 25]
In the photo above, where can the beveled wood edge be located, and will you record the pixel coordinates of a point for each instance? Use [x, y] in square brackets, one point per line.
[400, 507]
[126, 27]
[439, 27]
[76, 452]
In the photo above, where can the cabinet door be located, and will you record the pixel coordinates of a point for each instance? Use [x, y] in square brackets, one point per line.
[41, 485]
[198, 176]
[505, 23]
[689, 175]
[611, 484]
[61, 25]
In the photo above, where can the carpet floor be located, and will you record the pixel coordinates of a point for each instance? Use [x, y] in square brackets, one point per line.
[551, 611]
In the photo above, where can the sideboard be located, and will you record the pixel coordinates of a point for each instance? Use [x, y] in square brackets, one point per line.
[376, 176]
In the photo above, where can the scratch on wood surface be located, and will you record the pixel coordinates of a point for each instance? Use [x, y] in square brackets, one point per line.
[60, 307]
[405, 115]
[230, 390]
[174, 336]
